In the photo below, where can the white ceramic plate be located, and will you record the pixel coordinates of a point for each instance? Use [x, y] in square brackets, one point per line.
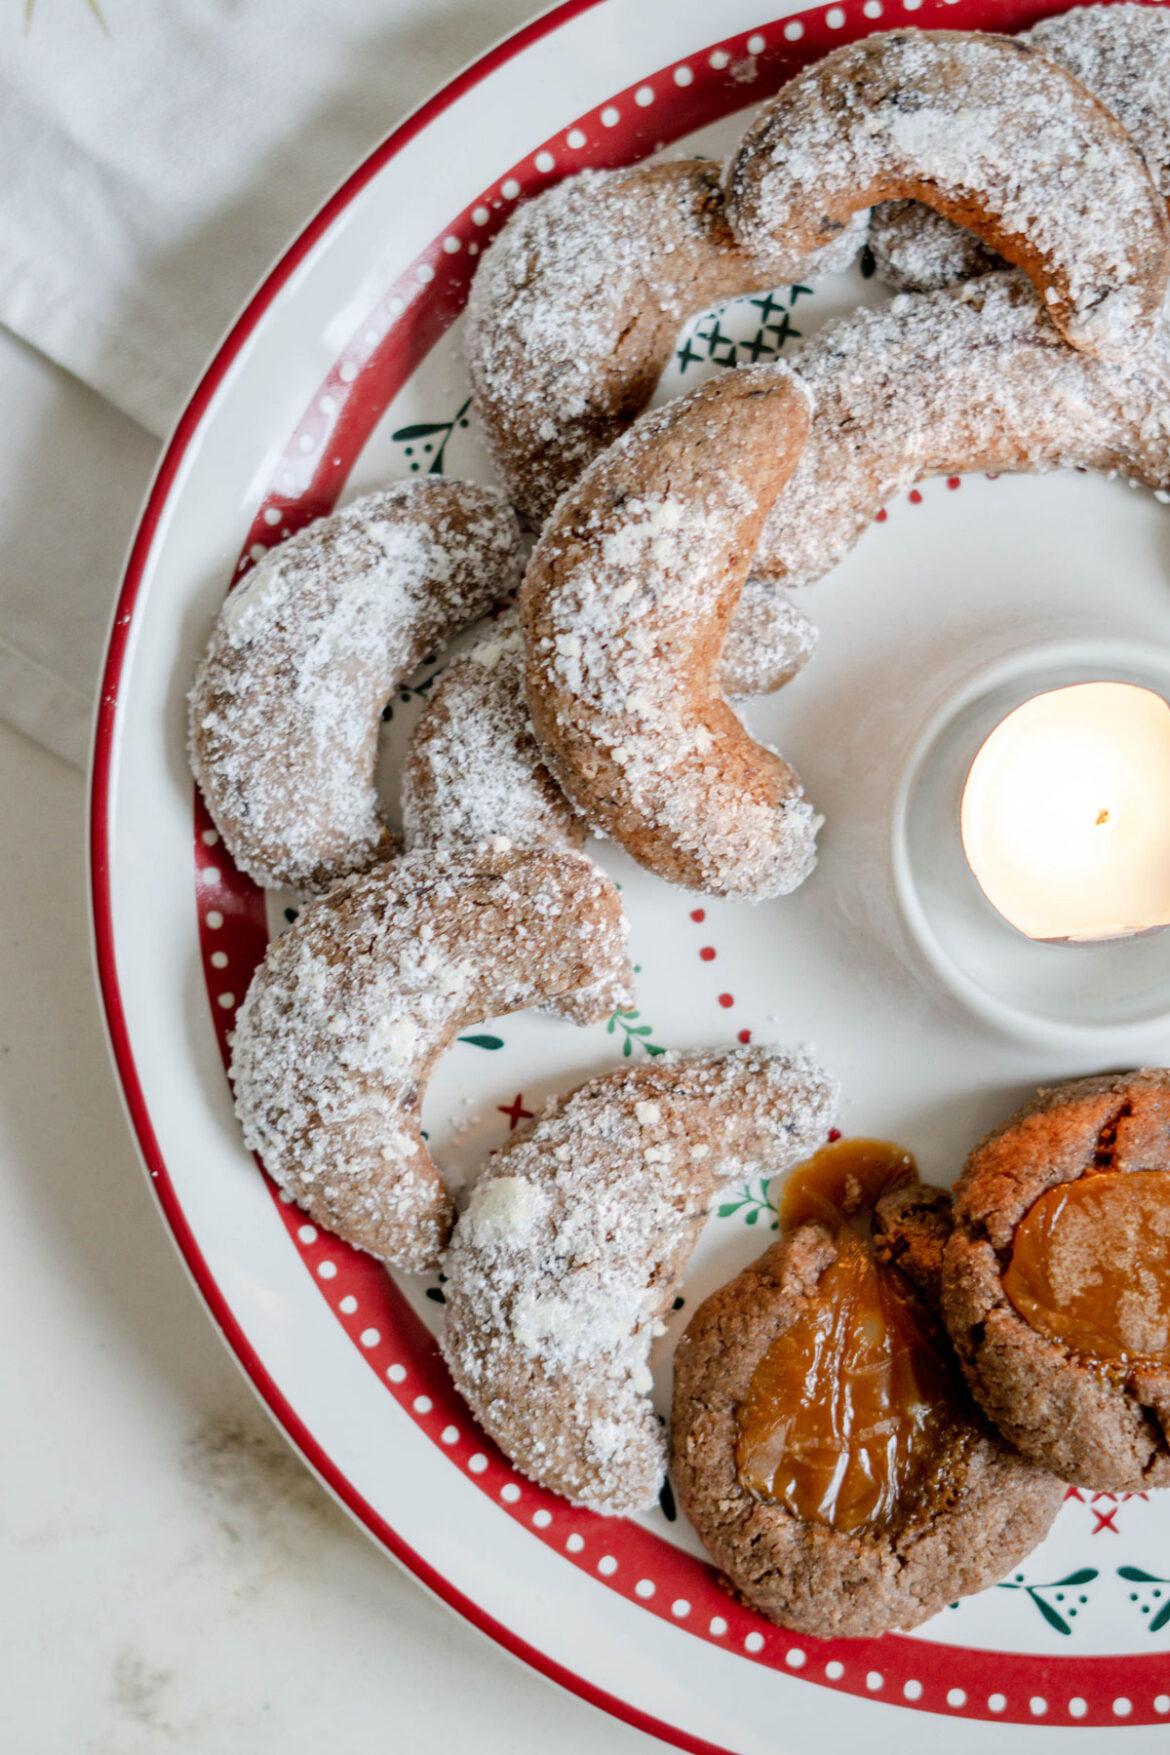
[344, 371]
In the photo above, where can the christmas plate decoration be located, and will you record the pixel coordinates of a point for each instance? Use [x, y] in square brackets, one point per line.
[344, 372]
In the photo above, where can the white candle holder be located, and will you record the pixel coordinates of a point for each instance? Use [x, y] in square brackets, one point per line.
[1056, 993]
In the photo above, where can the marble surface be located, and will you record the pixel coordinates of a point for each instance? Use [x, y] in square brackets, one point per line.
[173, 1577]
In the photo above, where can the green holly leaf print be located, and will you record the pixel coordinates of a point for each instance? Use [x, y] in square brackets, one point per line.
[483, 1041]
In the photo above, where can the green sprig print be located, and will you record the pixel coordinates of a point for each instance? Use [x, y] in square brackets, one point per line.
[1056, 1613]
[1160, 1616]
[753, 1206]
[426, 433]
[626, 1020]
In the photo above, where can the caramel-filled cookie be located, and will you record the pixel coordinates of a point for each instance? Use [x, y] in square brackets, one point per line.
[823, 1443]
[1056, 1283]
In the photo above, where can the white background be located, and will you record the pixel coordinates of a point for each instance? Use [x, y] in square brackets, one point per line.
[172, 1576]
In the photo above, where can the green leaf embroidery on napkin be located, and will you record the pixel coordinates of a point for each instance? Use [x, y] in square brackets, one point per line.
[91, 6]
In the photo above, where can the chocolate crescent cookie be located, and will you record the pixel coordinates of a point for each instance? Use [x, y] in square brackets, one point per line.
[973, 377]
[1056, 1283]
[625, 607]
[307, 650]
[822, 1442]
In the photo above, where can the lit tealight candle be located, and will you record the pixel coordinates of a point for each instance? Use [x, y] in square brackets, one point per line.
[1066, 814]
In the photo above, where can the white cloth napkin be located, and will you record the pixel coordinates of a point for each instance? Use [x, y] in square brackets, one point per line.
[152, 170]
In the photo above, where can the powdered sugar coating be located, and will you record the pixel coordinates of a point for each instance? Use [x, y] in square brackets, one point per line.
[625, 606]
[307, 650]
[918, 250]
[1119, 53]
[575, 1240]
[972, 377]
[474, 768]
[474, 771]
[1122, 55]
[768, 643]
[574, 309]
[987, 132]
[349, 1010]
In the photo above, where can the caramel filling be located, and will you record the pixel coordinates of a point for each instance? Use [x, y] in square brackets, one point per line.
[1090, 1266]
[844, 1180]
[850, 1408]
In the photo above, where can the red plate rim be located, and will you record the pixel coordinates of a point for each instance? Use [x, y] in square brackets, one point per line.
[101, 902]
[102, 925]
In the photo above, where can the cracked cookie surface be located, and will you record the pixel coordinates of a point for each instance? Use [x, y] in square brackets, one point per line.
[1056, 1282]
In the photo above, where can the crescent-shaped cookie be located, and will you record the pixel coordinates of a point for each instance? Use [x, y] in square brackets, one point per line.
[351, 1008]
[973, 377]
[474, 769]
[575, 307]
[988, 133]
[1119, 53]
[573, 1245]
[306, 652]
[625, 605]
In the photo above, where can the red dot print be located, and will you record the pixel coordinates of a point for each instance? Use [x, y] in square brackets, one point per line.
[914, 497]
[726, 999]
[834, 1134]
[880, 517]
[698, 915]
[708, 953]
[953, 482]
[745, 1035]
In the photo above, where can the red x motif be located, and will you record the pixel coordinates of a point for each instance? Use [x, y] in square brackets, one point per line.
[1105, 1520]
[515, 1111]
[1103, 1506]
